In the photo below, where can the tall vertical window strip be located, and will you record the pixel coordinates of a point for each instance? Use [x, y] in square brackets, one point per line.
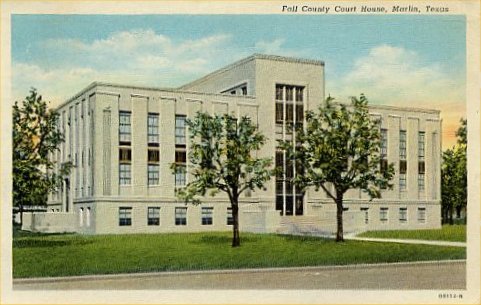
[180, 129]
[421, 164]
[402, 160]
[383, 143]
[421, 145]
[125, 128]
[402, 145]
[290, 99]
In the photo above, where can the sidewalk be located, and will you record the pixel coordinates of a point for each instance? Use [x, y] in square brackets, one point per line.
[408, 241]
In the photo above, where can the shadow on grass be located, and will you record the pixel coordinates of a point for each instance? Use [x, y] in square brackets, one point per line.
[306, 238]
[223, 240]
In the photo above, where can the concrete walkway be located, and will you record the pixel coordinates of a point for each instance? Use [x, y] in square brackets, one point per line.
[409, 241]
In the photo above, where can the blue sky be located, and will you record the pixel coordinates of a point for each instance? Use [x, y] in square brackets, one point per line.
[396, 59]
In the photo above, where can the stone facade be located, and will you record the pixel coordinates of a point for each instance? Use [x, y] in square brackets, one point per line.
[123, 140]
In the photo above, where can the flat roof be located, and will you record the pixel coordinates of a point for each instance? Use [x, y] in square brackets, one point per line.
[251, 58]
[149, 88]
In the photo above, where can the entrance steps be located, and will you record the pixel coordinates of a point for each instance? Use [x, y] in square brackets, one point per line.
[306, 225]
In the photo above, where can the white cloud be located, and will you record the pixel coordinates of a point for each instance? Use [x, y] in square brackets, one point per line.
[276, 47]
[394, 75]
[397, 76]
[140, 57]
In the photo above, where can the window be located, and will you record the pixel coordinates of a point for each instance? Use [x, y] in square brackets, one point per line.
[403, 215]
[421, 140]
[125, 155]
[421, 184]
[153, 129]
[180, 170]
[366, 214]
[125, 174]
[279, 113]
[402, 182]
[81, 217]
[383, 143]
[153, 156]
[422, 215]
[230, 218]
[207, 215]
[402, 175]
[383, 214]
[125, 216]
[153, 216]
[299, 94]
[279, 92]
[402, 145]
[180, 130]
[299, 113]
[180, 176]
[153, 174]
[87, 217]
[244, 90]
[289, 93]
[180, 216]
[287, 100]
[125, 128]
[125, 168]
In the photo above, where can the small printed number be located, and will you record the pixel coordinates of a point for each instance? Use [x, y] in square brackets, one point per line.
[450, 295]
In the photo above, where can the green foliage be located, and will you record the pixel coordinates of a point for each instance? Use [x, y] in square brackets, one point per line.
[67, 255]
[454, 176]
[446, 233]
[340, 146]
[222, 159]
[35, 137]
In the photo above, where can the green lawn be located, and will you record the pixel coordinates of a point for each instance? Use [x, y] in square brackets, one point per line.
[63, 255]
[447, 233]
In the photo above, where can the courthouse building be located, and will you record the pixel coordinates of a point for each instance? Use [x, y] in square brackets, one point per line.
[123, 139]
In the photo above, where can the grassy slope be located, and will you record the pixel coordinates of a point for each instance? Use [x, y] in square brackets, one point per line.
[447, 233]
[61, 255]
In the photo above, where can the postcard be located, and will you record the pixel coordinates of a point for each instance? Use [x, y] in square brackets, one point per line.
[240, 152]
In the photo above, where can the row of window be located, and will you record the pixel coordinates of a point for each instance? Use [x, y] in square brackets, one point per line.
[402, 213]
[403, 158]
[125, 129]
[153, 154]
[180, 216]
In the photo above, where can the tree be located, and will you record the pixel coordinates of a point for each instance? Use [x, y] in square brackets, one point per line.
[35, 135]
[222, 159]
[340, 146]
[454, 176]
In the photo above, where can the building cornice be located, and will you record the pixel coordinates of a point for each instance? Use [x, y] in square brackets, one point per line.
[396, 108]
[246, 98]
[251, 58]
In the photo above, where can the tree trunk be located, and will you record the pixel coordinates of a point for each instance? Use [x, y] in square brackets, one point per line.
[235, 227]
[340, 229]
[21, 216]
